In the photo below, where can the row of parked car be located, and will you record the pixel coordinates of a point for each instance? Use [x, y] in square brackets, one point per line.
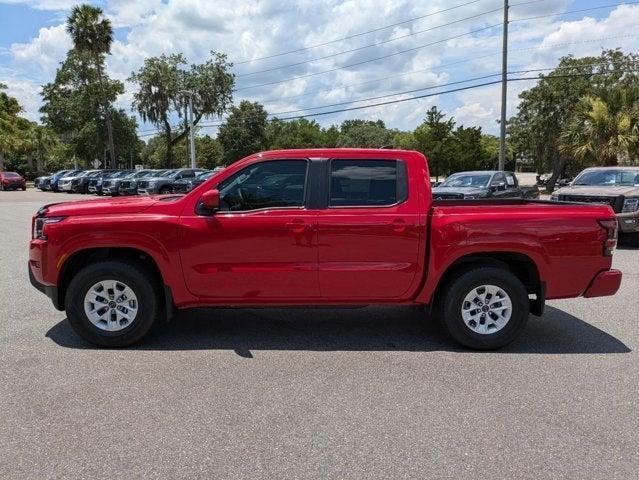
[124, 182]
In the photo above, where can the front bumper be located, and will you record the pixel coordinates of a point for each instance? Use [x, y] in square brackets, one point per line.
[50, 291]
[148, 191]
[65, 187]
[604, 284]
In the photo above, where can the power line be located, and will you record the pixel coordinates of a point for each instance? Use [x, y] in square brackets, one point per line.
[154, 132]
[359, 34]
[370, 60]
[601, 7]
[431, 87]
[277, 82]
[393, 39]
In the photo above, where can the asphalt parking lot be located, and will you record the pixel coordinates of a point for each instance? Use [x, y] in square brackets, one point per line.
[314, 393]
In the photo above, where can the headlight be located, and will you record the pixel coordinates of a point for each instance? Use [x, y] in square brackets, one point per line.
[39, 224]
[630, 205]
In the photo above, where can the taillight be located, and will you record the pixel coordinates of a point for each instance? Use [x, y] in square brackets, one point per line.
[610, 243]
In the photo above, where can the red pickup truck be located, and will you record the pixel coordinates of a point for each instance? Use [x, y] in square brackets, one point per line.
[319, 227]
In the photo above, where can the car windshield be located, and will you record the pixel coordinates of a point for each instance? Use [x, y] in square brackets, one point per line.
[467, 180]
[11, 174]
[156, 173]
[608, 178]
[169, 173]
[205, 175]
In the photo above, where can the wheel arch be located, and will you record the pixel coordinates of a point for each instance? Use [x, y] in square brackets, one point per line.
[519, 264]
[74, 263]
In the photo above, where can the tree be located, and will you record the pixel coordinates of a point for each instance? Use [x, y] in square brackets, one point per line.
[300, 133]
[45, 141]
[604, 129]
[71, 109]
[546, 109]
[209, 152]
[434, 139]
[467, 151]
[92, 35]
[364, 134]
[244, 131]
[9, 110]
[162, 82]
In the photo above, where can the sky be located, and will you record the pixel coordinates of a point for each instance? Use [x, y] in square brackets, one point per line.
[428, 43]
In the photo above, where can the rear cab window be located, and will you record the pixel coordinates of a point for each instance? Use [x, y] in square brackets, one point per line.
[367, 183]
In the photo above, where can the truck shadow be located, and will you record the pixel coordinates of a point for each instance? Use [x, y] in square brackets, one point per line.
[359, 329]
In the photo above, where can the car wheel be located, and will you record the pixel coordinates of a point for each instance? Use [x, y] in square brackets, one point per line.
[112, 303]
[164, 190]
[24, 189]
[485, 308]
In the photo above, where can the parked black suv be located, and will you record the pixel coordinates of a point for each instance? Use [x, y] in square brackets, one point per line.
[113, 186]
[163, 183]
[185, 185]
[97, 182]
[482, 184]
[81, 184]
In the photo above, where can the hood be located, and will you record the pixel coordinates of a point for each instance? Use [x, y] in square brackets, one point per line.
[109, 206]
[459, 190]
[608, 191]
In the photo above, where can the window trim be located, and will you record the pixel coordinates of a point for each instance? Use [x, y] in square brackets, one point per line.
[329, 164]
[239, 212]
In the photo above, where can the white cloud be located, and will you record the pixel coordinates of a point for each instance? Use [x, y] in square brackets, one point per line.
[249, 29]
[43, 4]
[41, 56]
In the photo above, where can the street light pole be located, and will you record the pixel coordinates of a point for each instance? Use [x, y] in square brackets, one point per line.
[504, 89]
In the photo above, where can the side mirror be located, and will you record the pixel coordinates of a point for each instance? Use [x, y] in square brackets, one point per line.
[211, 200]
[501, 186]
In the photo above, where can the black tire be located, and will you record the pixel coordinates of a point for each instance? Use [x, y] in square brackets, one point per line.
[455, 293]
[165, 190]
[24, 189]
[138, 278]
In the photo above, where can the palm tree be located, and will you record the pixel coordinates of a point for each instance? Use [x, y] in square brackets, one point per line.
[92, 34]
[604, 129]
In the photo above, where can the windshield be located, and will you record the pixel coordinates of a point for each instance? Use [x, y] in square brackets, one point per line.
[11, 174]
[205, 175]
[608, 177]
[169, 173]
[467, 180]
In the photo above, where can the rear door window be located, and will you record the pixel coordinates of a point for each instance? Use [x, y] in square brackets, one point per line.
[367, 183]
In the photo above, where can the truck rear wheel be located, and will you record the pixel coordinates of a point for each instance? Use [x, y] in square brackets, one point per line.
[485, 308]
[112, 303]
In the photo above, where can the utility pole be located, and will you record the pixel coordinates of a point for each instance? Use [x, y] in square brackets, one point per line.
[504, 90]
[191, 130]
[186, 125]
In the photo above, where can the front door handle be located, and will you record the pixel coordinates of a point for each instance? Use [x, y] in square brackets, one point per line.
[398, 225]
[297, 225]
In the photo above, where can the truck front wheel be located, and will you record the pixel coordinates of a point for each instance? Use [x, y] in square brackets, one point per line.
[112, 303]
[485, 308]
